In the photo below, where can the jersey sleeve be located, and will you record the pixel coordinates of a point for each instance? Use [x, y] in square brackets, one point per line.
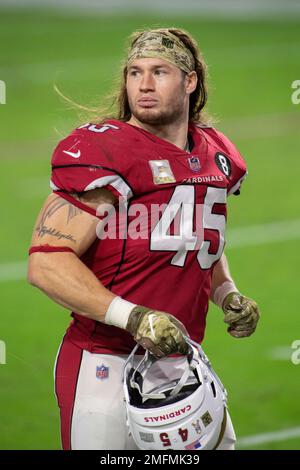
[238, 167]
[82, 162]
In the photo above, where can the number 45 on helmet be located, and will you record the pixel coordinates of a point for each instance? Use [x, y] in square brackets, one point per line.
[188, 413]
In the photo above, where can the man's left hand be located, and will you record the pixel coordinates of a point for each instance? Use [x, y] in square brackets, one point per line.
[241, 314]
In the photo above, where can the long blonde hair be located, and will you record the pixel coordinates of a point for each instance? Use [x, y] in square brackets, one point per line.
[117, 106]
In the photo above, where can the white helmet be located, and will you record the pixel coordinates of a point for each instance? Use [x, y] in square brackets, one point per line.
[187, 413]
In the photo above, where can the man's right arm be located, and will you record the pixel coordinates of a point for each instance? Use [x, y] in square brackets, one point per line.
[62, 275]
[70, 283]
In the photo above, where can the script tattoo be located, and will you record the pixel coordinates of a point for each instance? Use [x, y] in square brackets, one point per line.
[43, 230]
[53, 207]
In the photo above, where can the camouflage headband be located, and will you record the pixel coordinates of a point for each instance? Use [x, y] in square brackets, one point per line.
[163, 45]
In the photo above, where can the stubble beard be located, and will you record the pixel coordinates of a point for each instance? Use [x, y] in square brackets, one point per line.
[155, 117]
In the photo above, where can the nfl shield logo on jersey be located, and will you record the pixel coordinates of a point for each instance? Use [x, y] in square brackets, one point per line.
[194, 163]
[102, 372]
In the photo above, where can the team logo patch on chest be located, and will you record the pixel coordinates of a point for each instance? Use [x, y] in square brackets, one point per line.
[102, 372]
[161, 171]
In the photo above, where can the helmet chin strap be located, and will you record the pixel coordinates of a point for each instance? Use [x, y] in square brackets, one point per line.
[181, 382]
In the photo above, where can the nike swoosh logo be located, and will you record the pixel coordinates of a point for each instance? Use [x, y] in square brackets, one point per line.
[72, 154]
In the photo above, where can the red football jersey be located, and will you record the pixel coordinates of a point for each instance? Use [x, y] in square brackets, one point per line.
[160, 258]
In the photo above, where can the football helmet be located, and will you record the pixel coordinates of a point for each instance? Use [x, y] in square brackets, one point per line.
[188, 413]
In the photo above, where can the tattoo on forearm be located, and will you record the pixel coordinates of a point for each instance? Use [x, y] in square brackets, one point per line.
[43, 230]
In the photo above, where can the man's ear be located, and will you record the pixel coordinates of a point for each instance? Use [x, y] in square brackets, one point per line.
[191, 81]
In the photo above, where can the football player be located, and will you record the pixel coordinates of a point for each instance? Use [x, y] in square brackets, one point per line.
[123, 285]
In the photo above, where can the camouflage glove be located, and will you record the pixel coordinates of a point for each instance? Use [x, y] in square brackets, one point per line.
[159, 332]
[241, 314]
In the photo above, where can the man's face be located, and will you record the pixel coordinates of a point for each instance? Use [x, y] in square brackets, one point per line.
[157, 91]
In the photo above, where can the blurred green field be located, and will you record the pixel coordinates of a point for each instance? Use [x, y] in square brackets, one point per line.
[252, 66]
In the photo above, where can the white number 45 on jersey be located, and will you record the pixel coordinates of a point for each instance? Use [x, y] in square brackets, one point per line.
[183, 200]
